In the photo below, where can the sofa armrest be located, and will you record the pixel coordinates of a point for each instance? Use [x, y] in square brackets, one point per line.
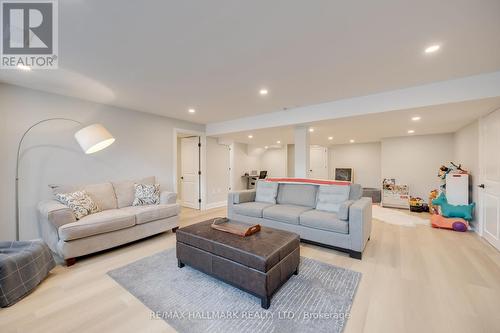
[242, 196]
[343, 213]
[55, 213]
[237, 198]
[167, 197]
[360, 223]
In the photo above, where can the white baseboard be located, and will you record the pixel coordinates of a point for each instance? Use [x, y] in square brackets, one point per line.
[216, 204]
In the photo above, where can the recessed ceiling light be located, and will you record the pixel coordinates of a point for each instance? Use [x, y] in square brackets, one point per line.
[416, 118]
[265, 147]
[191, 110]
[250, 136]
[311, 129]
[352, 141]
[330, 138]
[432, 48]
[278, 142]
[24, 68]
[411, 131]
[263, 92]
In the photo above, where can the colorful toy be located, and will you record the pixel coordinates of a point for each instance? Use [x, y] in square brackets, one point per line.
[452, 223]
[444, 170]
[447, 210]
[433, 195]
[417, 205]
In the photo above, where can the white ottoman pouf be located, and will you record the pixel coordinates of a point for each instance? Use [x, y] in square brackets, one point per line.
[23, 265]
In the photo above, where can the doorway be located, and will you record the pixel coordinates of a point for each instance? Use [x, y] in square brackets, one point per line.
[189, 168]
[489, 208]
[318, 162]
[190, 172]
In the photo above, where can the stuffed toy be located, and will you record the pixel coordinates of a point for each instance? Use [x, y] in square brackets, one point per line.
[444, 170]
[447, 210]
[433, 195]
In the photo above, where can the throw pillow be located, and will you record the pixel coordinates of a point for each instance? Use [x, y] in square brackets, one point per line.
[330, 197]
[146, 194]
[79, 202]
[266, 191]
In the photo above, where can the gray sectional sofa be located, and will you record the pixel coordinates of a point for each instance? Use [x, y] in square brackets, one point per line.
[118, 223]
[334, 216]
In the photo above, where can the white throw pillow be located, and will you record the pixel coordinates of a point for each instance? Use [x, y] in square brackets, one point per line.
[266, 191]
[330, 197]
[80, 202]
[146, 194]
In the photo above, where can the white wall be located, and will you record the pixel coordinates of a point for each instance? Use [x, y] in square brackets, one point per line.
[415, 160]
[290, 160]
[50, 154]
[467, 153]
[363, 158]
[243, 161]
[274, 161]
[217, 172]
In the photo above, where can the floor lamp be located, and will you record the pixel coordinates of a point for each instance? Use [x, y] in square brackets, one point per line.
[91, 139]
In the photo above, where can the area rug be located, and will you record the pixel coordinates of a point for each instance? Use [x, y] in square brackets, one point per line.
[393, 216]
[317, 300]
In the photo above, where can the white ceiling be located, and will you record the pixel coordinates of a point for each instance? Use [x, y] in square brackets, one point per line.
[166, 56]
[446, 118]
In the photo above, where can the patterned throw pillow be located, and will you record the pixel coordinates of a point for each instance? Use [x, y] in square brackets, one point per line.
[80, 202]
[146, 194]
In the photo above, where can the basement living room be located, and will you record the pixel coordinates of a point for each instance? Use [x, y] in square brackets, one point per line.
[321, 166]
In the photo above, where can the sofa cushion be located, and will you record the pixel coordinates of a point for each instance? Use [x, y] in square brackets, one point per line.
[125, 190]
[103, 194]
[324, 220]
[297, 194]
[355, 192]
[98, 223]
[253, 209]
[284, 213]
[330, 197]
[150, 213]
[266, 192]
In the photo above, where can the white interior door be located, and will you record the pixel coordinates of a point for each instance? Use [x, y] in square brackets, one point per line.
[490, 178]
[318, 162]
[190, 167]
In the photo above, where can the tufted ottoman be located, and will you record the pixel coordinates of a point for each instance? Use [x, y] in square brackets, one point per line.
[23, 265]
[259, 264]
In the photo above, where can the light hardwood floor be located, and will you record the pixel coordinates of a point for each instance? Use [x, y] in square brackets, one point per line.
[414, 280]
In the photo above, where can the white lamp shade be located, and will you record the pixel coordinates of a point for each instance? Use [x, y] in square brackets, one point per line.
[94, 138]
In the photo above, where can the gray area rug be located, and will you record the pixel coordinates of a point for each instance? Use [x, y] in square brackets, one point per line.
[317, 300]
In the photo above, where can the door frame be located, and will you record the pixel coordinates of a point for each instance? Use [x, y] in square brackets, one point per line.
[480, 194]
[203, 162]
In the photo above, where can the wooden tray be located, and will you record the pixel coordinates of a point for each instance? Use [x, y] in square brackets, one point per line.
[222, 224]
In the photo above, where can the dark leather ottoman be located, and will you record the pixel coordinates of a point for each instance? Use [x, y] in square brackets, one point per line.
[259, 264]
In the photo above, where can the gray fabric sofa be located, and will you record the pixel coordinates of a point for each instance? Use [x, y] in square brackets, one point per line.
[118, 223]
[334, 216]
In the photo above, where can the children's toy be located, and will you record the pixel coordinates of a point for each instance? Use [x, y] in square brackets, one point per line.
[417, 205]
[447, 210]
[433, 195]
[452, 223]
[444, 170]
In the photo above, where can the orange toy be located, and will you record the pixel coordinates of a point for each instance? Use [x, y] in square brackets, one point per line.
[453, 223]
[433, 195]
